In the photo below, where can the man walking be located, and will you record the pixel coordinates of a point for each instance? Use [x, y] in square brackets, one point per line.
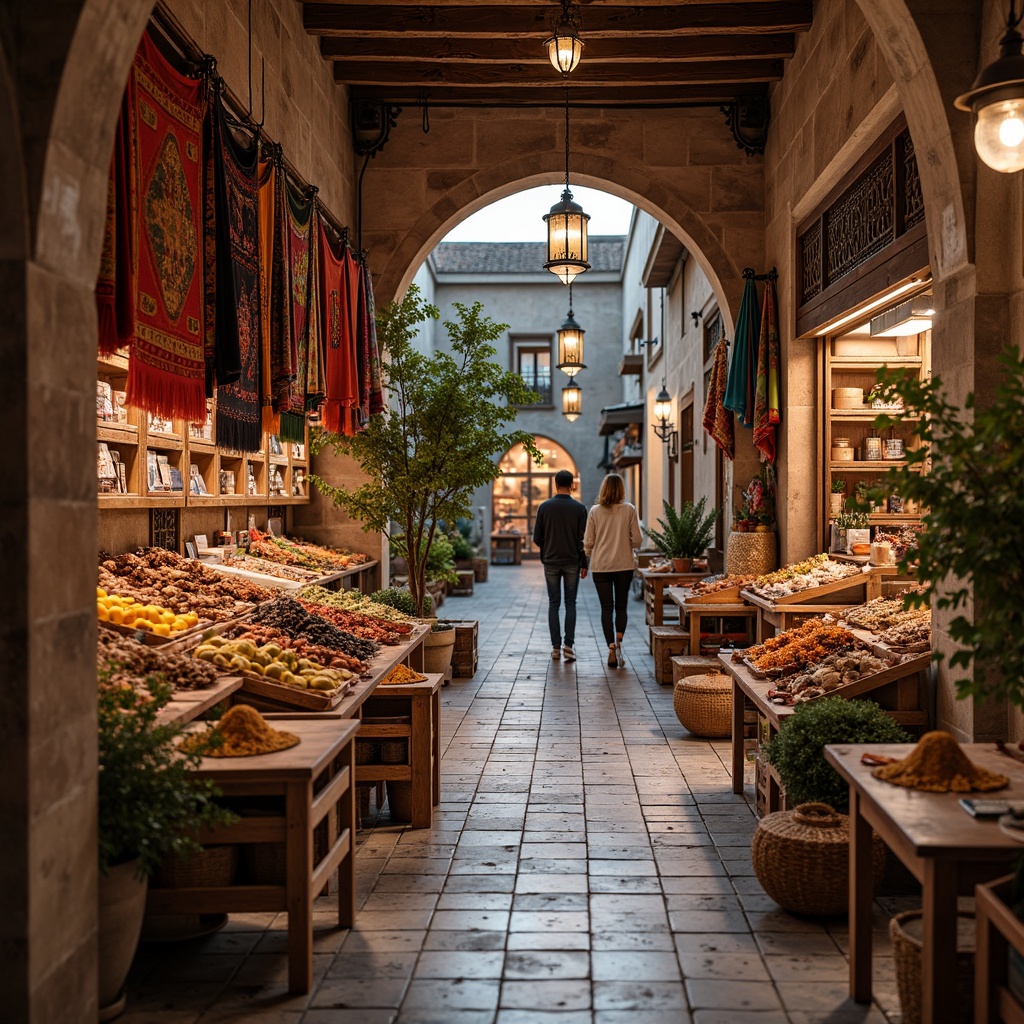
[558, 533]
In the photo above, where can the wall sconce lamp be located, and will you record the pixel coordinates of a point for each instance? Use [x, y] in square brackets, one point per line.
[662, 410]
[997, 101]
[697, 316]
[652, 341]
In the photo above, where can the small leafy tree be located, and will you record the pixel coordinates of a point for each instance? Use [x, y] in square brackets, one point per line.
[437, 442]
[970, 554]
[686, 533]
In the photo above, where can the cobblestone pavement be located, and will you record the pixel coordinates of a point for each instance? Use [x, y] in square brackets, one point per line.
[588, 864]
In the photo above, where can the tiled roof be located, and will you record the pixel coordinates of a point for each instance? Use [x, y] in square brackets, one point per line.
[606, 252]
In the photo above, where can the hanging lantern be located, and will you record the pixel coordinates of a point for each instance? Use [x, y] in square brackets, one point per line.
[565, 48]
[570, 344]
[572, 401]
[567, 227]
[997, 100]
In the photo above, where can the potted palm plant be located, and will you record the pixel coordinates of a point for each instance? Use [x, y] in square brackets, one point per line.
[151, 806]
[684, 534]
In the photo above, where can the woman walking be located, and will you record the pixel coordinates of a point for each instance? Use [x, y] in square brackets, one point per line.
[613, 531]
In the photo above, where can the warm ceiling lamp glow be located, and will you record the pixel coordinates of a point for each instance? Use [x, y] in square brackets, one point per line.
[570, 344]
[910, 317]
[572, 401]
[567, 227]
[565, 48]
[997, 101]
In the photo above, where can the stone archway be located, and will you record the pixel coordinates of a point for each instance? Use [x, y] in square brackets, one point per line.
[680, 166]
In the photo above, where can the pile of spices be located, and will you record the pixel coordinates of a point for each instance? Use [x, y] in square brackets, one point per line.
[402, 674]
[241, 732]
[938, 765]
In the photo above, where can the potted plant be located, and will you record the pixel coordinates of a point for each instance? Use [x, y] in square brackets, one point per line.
[151, 806]
[684, 535]
[845, 522]
[801, 856]
[837, 495]
[437, 442]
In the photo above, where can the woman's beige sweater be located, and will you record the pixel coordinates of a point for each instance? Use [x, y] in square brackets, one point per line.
[613, 531]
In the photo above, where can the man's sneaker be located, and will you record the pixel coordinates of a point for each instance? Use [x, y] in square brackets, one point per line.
[555, 654]
[570, 654]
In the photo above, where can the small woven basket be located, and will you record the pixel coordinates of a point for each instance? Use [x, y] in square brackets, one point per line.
[751, 554]
[703, 705]
[801, 858]
[905, 930]
[210, 867]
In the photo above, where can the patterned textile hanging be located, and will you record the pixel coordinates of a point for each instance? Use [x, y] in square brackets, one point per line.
[238, 286]
[277, 363]
[739, 393]
[337, 338]
[718, 421]
[766, 398]
[316, 372]
[150, 293]
[299, 272]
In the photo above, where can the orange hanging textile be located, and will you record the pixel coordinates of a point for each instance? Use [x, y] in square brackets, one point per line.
[337, 338]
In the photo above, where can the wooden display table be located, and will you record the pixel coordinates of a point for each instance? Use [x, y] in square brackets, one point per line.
[902, 687]
[419, 704]
[945, 849]
[694, 611]
[506, 548]
[307, 784]
[999, 930]
[655, 585]
[187, 705]
[783, 613]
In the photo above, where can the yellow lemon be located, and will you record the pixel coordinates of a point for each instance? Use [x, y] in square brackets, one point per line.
[116, 615]
[100, 592]
[191, 618]
[101, 611]
[143, 624]
[153, 613]
[162, 629]
[167, 617]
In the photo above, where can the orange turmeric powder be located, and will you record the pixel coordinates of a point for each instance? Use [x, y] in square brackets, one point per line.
[241, 732]
[402, 674]
[938, 765]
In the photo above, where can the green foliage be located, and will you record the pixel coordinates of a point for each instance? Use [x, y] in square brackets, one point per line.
[686, 533]
[395, 597]
[797, 751]
[462, 548]
[852, 520]
[437, 442]
[150, 802]
[970, 555]
[838, 486]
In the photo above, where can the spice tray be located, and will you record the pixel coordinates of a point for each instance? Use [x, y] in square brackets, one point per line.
[727, 595]
[812, 594]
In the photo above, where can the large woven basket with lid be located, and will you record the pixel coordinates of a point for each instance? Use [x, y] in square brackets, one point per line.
[703, 705]
[751, 554]
[801, 858]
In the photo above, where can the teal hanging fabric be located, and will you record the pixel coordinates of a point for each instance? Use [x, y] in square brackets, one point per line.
[741, 387]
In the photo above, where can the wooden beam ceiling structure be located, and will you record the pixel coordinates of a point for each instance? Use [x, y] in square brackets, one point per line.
[491, 52]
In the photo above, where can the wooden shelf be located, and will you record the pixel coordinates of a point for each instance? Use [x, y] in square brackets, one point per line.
[865, 467]
[867, 363]
[117, 433]
[868, 415]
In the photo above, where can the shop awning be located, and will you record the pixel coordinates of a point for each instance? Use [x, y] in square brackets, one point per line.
[632, 364]
[619, 417]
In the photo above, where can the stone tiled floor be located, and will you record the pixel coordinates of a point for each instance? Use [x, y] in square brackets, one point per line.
[589, 864]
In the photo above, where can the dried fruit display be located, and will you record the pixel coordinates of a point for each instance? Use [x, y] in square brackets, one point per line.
[884, 612]
[265, 568]
[792, 579]
[834, 672]
[797, 648]
[291, 551]
[260, 635]
[131, 662]
[915, 634]
[364, 626]
[716, 583]
[352, 601]
[279, 664]
[158, 576]
[290, 617]
[150, 618]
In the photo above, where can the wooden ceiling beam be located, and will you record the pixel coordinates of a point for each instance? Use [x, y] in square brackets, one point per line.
[518, 20]
[531, 51]
[711, 95]
[534, 76]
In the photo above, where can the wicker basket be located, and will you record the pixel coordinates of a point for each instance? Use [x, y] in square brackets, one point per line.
[801, 858]
[751, 553]
[394, 751]
[703, 705]
[905, 931]
[207, 868]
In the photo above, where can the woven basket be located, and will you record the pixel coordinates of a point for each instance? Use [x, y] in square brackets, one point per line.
[394, 751]
[209, 867]
[801, 858]
[751, 553]
[905, 931]
[703, 705]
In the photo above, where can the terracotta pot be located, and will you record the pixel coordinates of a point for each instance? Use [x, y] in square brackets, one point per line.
[682, 564]
[437, 650]
[122, 903]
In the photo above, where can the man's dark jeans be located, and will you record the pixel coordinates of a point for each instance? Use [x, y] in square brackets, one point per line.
[554, 575]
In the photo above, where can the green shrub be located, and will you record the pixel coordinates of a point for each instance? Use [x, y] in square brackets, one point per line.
[395, 597]
[797, 752]
[461, 547]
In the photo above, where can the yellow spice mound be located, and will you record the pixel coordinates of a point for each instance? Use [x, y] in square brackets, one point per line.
[243, 733]
[938, 765]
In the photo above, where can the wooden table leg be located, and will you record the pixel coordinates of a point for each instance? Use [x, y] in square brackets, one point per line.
[938, 950]
[738, 753]
[861, 897]
[420, 750]
[435, 743]
[695, 632]
[299, 898]
[347, 868]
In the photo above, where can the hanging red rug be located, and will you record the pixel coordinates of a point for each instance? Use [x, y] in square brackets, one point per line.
[166, 366]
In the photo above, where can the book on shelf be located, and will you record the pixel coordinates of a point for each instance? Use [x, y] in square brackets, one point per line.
[196, 483]
[163, 466]
[104, 402]
[154, 481]
[106, 470]
[176, 480]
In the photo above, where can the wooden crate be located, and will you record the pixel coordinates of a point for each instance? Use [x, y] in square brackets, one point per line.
[464, 655]
[684, 665]
[666, 643]
[464, 587]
